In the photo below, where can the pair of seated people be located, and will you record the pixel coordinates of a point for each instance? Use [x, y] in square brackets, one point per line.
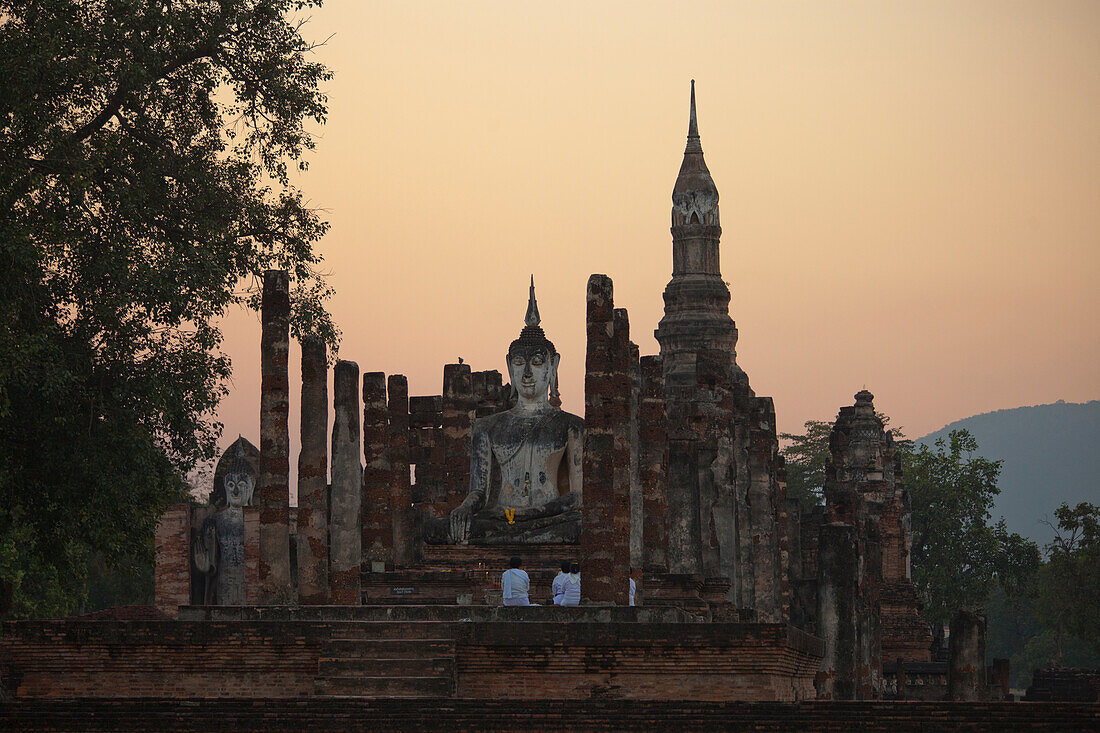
[515, 585]
[566, 587]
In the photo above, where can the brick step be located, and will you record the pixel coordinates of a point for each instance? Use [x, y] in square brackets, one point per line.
[363, 686]
[381, 648]
[389, 667]
[335, 714]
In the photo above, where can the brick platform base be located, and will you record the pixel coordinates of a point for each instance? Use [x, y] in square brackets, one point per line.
[313, 714]
[498, 659]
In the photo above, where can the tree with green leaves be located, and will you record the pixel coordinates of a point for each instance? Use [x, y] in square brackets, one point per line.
[1068, 600]
[957, 554]
[146, 152]
[806, 455]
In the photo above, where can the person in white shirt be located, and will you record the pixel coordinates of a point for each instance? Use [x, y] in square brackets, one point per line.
[555, 587]
[515, 585]
[570, 588]
[633, 590]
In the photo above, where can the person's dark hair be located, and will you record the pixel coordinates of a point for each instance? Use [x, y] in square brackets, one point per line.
[515, 562]
[575, 568]
[565, 565]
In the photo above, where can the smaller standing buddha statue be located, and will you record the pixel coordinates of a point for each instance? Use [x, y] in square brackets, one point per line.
[219, 548]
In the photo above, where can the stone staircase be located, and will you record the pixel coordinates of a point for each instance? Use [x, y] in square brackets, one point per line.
[358, 666]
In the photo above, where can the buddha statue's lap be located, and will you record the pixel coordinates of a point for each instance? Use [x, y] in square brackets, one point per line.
[537, 449]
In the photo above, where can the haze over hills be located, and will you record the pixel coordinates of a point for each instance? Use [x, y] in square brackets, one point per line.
[1051, 455]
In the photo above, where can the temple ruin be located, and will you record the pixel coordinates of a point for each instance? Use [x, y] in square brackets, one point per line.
[384, 580]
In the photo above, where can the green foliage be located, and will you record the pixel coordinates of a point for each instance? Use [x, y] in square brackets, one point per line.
[1069, 586]
[144, 187]
[956, 554]
[806, 455]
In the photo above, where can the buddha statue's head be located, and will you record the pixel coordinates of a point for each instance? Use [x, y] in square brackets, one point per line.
[533, 360]
[239, 482]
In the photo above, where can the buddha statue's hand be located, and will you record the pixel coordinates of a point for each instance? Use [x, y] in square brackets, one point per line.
[460, 521]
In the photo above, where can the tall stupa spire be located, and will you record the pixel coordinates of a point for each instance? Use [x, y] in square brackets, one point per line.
[694, 197]
[697, 298]
[694, 145]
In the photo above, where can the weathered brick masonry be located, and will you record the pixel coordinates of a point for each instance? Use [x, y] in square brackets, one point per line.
[313, 514]
[533, 660]
[272, 489]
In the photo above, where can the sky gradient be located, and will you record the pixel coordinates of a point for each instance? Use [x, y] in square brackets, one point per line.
[910, 192]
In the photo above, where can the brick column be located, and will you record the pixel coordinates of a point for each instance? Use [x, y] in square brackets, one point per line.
[252, 555]
[637, 499]
[272, 490]
[376, 510]
[404, 548]
[313, 582]
[838, 567]
[458, 411]
[622, 368]
[605, 563]
[653, 466]
[345, 532]
[966, 673]
[172, 572]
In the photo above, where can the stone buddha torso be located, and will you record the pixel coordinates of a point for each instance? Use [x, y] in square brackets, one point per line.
[530, 449]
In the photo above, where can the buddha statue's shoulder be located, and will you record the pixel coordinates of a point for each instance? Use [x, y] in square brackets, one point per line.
[573, 422]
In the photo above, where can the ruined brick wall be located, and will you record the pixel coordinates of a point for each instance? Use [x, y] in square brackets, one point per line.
[605, 513]
[172, 572]
[534, 660]
[863, 492]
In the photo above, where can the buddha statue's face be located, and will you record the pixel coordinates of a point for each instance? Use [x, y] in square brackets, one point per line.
[238, 489]
[532, 373]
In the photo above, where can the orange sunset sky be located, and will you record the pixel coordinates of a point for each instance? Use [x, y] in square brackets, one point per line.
[910, 192]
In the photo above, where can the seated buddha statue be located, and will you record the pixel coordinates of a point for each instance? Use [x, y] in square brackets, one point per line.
[525, 463]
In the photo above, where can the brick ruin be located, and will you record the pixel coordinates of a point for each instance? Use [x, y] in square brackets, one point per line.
[684, 490]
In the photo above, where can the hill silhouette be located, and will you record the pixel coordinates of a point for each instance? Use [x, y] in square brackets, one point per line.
[1051, 455]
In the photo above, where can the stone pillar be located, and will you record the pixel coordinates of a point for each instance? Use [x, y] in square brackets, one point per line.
[764, 508]
[598, 507]
[838, 573]
[404, 543]
[313, 559]
[252, 555]
[272, 489]
[653, 467]
[966, 673]
[376, 510]
[345, 532]
[637, 499]
[622, 476]
[172, 572]
[458, 412]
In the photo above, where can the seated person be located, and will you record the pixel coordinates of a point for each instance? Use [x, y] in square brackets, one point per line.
[570, 588]
[555, 587]
[515, 585]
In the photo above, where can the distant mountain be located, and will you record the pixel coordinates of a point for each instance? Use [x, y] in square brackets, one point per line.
[1051, 455]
